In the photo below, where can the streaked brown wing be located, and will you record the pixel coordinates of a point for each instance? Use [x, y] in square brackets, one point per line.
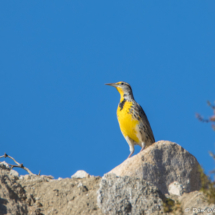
[139, 112]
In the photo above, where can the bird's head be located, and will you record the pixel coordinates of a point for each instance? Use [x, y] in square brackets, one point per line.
[123, 88]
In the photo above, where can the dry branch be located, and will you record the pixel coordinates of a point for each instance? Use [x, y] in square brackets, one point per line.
[18, 164]
[210, 119]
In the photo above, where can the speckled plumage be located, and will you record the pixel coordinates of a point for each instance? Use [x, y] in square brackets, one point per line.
[132, 119]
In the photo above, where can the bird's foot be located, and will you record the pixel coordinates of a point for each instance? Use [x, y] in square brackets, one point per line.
[142, 148]
[130, 154]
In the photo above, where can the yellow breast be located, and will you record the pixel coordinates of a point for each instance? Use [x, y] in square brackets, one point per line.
[127, 123]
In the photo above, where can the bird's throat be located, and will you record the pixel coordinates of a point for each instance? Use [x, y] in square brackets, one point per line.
[121, 92]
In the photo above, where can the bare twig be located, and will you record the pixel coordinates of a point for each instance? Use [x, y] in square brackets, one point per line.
[210, 119]
[212, 106]
[18, 164]
[199, 117]
[3, 156]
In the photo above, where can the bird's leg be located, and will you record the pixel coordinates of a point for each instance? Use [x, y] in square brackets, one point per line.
[131, 145]
[143, 146]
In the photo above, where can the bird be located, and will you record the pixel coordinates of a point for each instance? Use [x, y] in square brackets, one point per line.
[132, 119]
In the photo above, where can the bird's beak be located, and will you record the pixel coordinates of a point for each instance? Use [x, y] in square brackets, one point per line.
[111, 84]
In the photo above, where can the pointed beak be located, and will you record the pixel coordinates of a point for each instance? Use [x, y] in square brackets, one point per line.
[111, 84]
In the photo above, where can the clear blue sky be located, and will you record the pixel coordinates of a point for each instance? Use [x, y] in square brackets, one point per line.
[57, 115]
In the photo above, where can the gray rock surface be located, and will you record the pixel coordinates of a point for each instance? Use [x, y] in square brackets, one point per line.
[161, 164]
[129, 196]
[12, 194]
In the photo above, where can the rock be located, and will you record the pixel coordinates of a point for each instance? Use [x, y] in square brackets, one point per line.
[161, 164]
[47, 176]
[21, 177]
[4, 165]
[115, 195]
[27, 177]
[80, 174]
[164, 165]
[14, 173]
[128, 195]
[196, 203]
[175, 188]
[12, 194]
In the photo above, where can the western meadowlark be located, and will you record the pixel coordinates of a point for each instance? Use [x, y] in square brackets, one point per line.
[132, 119]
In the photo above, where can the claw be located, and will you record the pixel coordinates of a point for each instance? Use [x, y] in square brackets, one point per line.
[130, 154]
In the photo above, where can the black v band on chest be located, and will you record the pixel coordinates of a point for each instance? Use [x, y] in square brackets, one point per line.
[121, 104]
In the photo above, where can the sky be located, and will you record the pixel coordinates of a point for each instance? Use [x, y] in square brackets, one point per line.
[57, 116]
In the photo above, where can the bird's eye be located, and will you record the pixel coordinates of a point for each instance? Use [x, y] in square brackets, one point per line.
[122, 83]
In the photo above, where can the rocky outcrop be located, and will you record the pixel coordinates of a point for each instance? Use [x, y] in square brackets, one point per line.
[161, 164]
[163, 179]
